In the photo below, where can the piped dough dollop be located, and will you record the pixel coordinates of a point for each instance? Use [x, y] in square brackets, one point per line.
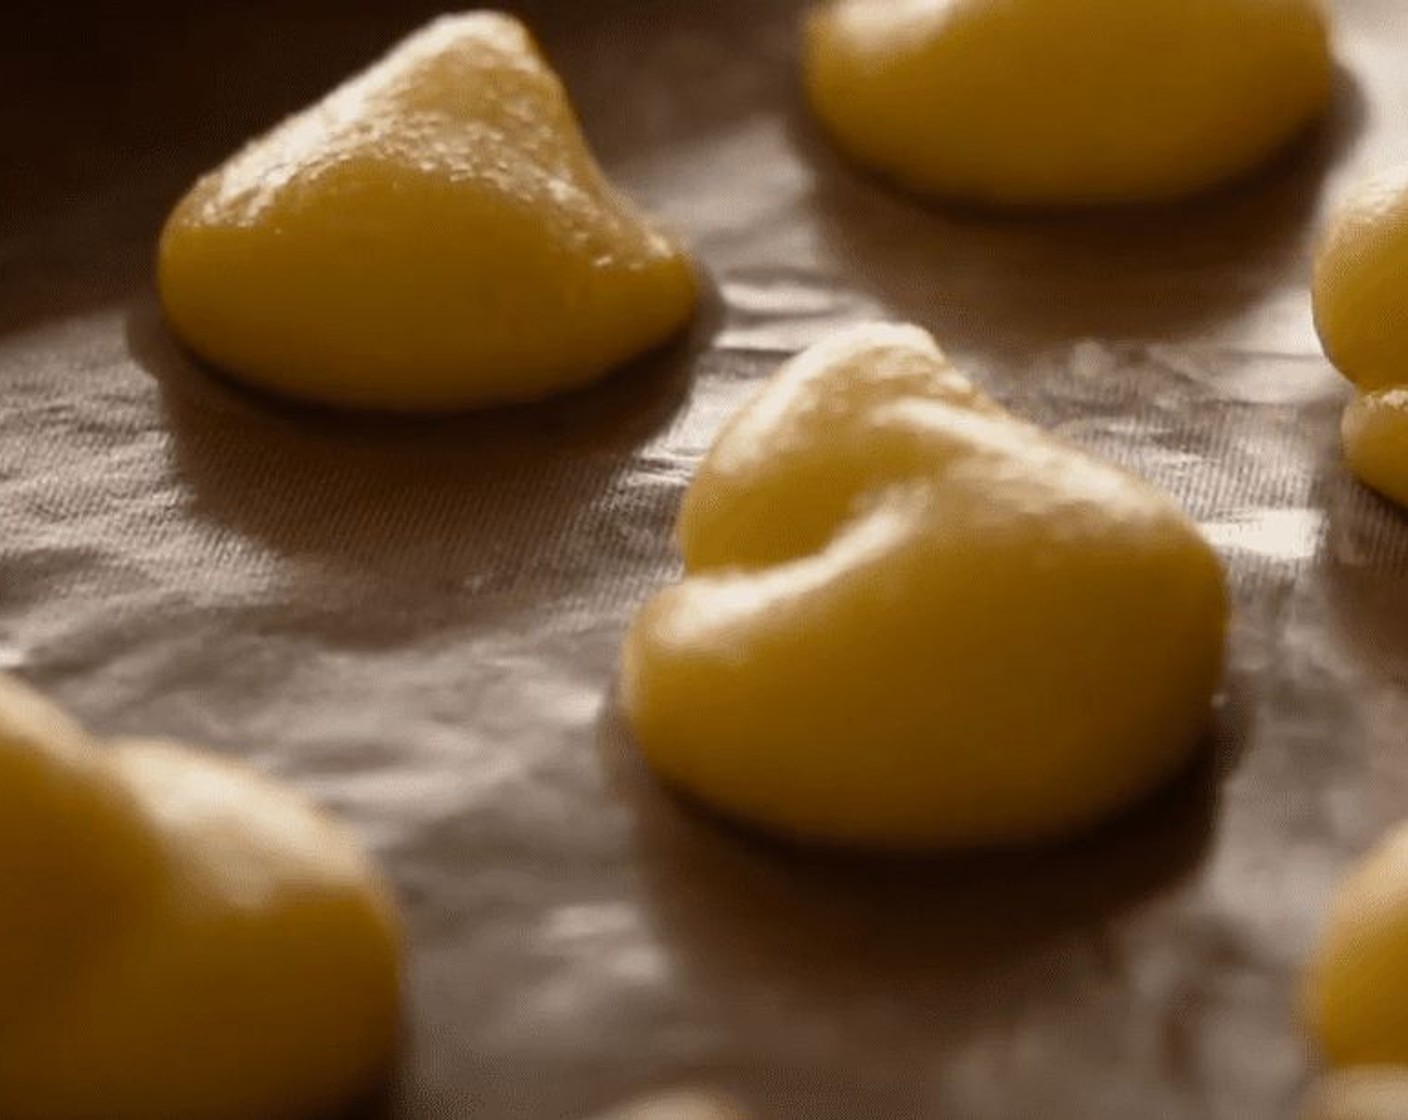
[433, 235]
[1361, 313]
[182, 939]
[1375, 432]
[1358, 982]
[1066, 102]
[910, 620]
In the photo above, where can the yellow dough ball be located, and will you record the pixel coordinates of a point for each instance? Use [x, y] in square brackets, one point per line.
[1066, 102]
[257, 972]
[434, 235]
[75, 854]
[1376, 441]
[1361, 284]
[1358, 984]
[910, 619]
[1361, 313]
[1374, 1093]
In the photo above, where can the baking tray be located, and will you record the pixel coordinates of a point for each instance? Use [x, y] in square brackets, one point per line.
[417, 622]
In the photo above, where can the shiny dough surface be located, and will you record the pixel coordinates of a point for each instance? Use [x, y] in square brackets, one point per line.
[911, 620]
[433, 235]
[1066, 102]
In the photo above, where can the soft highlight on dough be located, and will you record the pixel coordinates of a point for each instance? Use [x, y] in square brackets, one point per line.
[433, 235]
[1066, 102]
[186, 939]
[910, 620]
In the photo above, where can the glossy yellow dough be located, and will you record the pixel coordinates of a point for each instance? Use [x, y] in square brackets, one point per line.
[910, 620]
[1376, 441]
[1361, 312]
[1358, 986]
[434, 235]
[1066, 102]
[1378, 1093]
[1361, 284]
[187, 941]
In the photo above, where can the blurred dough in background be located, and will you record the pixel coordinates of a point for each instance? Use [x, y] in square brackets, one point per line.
[1358, 982]
[1361, 312]
[911, 620]
[433, 235]
[1066, 102]
[1375, 434]
[180, 938]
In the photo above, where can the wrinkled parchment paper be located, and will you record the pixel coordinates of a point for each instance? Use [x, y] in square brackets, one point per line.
[417, 622]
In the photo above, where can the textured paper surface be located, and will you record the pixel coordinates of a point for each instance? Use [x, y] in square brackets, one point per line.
[417, 622]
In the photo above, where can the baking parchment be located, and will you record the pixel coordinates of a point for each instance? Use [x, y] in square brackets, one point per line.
[417, 622]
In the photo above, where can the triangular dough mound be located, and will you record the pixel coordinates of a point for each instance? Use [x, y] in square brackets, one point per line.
[435, 234]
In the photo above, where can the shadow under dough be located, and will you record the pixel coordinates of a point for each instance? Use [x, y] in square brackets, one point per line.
[915, 948]
[425, 497]
[1013, 281]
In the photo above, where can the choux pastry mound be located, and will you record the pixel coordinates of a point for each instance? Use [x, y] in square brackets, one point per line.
[1375, 433]
[910, 620]
[1054, 103]
[75, 855]
[182, 939]
[433, 235]
[1361, 313]
[1358, 982]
